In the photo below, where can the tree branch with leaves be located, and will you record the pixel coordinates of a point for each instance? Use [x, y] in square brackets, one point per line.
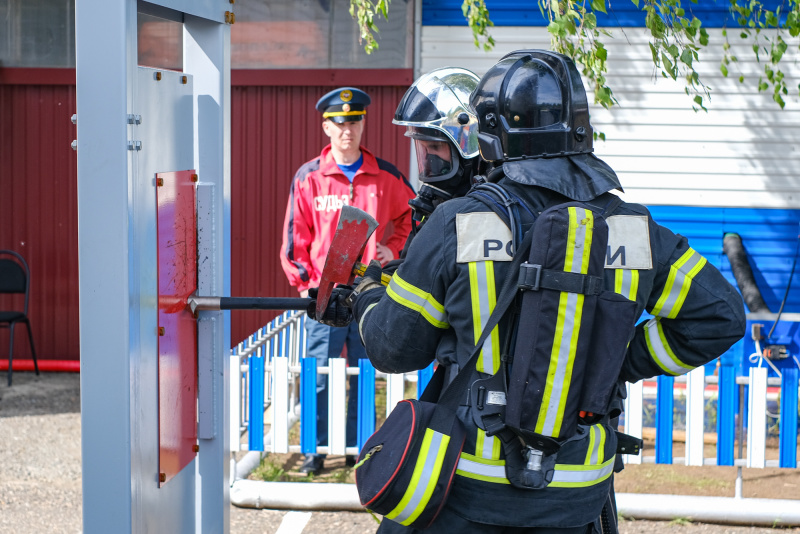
[676, 39]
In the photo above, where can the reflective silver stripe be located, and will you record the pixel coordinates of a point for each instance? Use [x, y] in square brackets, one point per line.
[361, 322]
[488, 471]
[417, 300]
[487, 446]
[423, 479]
[494, 471]
[574, 476]
[565, 475]
[660, 350]
[678, 283]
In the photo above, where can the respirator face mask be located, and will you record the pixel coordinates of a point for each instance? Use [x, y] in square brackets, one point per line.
[438, 162]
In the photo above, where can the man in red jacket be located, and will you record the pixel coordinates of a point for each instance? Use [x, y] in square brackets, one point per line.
[344, 173]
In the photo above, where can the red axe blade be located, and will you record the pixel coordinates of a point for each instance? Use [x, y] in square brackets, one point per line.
[352, 233]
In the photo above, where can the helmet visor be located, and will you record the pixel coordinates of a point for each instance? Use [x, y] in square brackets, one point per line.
[437, 159]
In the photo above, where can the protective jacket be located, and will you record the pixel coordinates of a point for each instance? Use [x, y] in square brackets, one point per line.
[319, 190]
[441, 296]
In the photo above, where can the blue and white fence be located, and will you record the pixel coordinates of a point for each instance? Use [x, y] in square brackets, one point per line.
[738, 399]
[271, 376]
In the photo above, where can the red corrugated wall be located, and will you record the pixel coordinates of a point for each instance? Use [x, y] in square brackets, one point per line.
[274, 129]
[38, 205]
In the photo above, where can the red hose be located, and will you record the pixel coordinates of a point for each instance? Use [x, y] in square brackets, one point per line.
[68, 366]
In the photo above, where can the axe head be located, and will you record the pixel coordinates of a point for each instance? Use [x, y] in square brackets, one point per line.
[352, 233]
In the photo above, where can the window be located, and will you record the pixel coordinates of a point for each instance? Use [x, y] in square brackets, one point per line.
[309, 34]
[37, 33]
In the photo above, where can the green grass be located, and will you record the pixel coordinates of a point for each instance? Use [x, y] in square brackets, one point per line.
[269, 471]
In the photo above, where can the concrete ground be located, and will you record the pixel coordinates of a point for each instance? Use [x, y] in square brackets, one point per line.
[40, 473]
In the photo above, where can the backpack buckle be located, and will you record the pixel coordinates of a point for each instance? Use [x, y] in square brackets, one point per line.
[529, 277]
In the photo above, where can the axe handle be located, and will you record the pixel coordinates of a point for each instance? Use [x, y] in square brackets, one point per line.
[360, 269]
[248, 303]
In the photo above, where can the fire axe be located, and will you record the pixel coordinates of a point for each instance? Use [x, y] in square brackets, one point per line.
[341, 267]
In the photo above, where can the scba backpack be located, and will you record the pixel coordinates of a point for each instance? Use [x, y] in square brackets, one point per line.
[572, 336]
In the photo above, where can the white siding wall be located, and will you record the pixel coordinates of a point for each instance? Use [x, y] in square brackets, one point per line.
[743, 153]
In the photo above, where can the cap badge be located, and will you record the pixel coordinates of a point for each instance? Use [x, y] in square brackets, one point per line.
[346, 108]
[346, 95]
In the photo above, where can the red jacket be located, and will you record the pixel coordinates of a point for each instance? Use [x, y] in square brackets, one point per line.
[319, 190]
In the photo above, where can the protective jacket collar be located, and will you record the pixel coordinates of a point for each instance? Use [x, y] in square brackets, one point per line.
[582, 177]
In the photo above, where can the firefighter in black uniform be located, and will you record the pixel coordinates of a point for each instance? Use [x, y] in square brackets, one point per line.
[534, 127]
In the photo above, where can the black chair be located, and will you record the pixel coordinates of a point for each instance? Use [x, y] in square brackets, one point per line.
[15, 278]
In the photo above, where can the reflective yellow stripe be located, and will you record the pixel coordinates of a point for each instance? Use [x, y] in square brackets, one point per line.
[487, 447]
[681, 274]
[568, 325]
[595, 452]
[590, 447]
[565, 475]
[343, 113]
[626, 283]
[417, 300]
[581, 476]
[659, 349]
[423, 480]
[484, 300]
[482, 469]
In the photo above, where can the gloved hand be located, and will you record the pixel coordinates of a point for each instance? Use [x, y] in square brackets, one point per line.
[370, 280]
[338, 312]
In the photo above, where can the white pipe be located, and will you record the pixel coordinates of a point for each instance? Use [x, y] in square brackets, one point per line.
[725, 510]
[721, 510]
[295, 496]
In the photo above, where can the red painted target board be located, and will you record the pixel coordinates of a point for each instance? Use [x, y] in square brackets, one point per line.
[177, 327]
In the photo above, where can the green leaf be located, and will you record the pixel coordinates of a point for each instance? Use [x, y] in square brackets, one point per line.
[599, 5]
[673, 51]
[724, 70]
[668, 66]
[635, 2]
[686, 57]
